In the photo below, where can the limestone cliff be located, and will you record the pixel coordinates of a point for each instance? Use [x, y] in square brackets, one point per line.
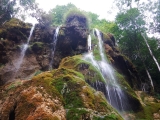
[69, 91]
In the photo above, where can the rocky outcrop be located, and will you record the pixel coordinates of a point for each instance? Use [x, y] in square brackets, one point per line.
[94, 78]
[72, 40]
[58, 95]
[75, 89]
[13, 35]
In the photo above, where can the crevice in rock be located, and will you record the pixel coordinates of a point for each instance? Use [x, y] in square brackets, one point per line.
[12, 113]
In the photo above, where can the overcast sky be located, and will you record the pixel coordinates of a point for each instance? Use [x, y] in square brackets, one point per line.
[100, 7]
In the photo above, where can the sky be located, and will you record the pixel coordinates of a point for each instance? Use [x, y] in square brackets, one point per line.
[100, 7]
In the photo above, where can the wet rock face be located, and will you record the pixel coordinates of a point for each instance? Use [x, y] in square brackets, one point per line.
[72, 40]
[15, 31]
[43, 34]
[9, 71]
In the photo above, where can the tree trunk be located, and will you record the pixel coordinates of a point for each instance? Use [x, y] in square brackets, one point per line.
[155, 60]
[148, 74]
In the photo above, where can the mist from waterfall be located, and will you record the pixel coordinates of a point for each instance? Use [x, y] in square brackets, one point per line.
[23, 51]
[54, 46]
[112, 91]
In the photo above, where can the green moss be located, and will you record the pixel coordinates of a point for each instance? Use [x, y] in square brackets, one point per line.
[125, 86]
[70, 88]
[147, 111]
[64, 71]
[37, 46]
[157, 96]
[37, 72]
[76, 114]
[95, 50]
[77, 93]
[14, 23]
[45, 80]
[68, 83]
[96, 54]
[90, 73]
[108, 117]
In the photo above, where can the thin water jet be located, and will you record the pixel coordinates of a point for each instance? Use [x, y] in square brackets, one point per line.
[54, 46]
[89, 42]
[23, 51]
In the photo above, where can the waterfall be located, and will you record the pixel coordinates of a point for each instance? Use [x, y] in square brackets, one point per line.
[89, 42]
[23, 51]
[54, 46]
[112, 91]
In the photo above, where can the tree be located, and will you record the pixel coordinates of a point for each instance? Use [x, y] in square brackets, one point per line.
[132, 41]
[13, 8]
[6, 10]
[58, 13]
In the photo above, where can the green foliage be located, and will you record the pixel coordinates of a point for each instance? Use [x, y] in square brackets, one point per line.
[93, 19]
[157, 96]
[58, 13]
[130, 20]
[13, 8]
[131, 23]
[6, 9]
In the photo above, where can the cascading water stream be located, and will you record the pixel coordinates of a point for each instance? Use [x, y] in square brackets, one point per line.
[112, 91]
[54, 46]
[89, 42]
[24, 48]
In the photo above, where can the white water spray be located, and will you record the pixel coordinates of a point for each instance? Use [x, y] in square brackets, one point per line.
[54, 46]
[112, 90]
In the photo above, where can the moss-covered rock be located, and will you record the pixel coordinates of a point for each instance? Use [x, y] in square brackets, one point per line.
[32, 99]
[91, 74]
[37, 46]
[47, 94]
[150, 109]
[81, 101]
[95, 79]
[129, 93]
